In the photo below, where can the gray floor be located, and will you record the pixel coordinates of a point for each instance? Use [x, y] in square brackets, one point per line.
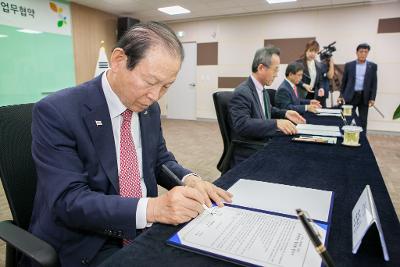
[198, 145]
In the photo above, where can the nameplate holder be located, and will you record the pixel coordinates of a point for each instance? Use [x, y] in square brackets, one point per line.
[364, 217]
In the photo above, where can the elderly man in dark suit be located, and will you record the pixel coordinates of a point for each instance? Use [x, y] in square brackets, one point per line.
[252, 115]
[99, 152]
[359, 83]
[287, 95]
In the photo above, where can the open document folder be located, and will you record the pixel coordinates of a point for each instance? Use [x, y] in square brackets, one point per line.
[253, 236]
[320, 130]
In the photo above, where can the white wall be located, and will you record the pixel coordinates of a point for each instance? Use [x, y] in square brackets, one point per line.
[239, 37]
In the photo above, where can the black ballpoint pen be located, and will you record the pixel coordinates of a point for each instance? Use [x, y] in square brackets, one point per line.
[319, 247]
[172, 175]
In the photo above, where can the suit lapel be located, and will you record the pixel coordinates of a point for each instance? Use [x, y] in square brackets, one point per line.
[255, 97]
[145, 120]
[99, 125]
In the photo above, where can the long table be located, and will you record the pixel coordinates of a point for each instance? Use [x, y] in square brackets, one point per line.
[344, 170]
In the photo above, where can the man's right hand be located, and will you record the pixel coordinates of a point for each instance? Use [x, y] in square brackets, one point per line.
[179, 205]
[286, 126]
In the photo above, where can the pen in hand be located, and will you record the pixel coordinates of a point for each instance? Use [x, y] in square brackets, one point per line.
[179, 182]
[319, 247]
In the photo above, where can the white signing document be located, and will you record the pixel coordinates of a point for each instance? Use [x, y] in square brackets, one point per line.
[250, 237]
[282, 198]
[329, 111]
[320, 130]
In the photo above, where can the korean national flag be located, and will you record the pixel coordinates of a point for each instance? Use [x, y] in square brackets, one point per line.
[102, 62]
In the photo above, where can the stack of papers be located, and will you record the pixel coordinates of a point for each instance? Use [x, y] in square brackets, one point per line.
[329, 112]
[260, 227]
[320, 130]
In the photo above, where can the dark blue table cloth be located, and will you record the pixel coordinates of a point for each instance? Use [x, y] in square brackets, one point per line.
[344, 170]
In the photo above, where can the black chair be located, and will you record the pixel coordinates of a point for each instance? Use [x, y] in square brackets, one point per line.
[18, 175]
[271, 94]
[221, 102]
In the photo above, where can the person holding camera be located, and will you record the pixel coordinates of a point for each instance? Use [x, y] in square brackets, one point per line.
[359, 83]
[310, 86]
[327, 72]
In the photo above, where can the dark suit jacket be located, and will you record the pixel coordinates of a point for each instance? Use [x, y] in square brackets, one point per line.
[349, 79]
[77, 204]
[287, 99]
[307, 79]
[248, 119]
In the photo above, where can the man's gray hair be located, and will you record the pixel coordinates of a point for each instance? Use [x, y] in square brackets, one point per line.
[142, 36]
[263, 56]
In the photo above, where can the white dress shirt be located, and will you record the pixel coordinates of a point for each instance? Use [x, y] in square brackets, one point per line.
[259, 88]
[116, 108]
[313, 72]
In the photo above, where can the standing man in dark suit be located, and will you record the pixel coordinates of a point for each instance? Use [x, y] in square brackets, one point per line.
[99, 149]
[359, 83]
[287, 95]
[252, 115]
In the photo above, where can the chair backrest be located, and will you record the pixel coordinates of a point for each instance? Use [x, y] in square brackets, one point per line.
[271, 94]
[221, 102]
[17, 169]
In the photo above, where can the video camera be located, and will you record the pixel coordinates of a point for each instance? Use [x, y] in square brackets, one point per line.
[326, 53]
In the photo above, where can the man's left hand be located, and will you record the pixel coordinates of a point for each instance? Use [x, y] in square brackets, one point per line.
[209, 191]
[315, 103]
[295, 117]
[371, 103]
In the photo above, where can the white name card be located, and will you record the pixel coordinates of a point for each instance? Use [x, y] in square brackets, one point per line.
[364, 215]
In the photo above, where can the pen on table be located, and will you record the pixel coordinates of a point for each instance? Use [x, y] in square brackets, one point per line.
[343, 118]
[319, 247]
[177, 180]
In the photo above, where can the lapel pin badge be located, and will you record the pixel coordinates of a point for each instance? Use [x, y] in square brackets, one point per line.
[99, 123]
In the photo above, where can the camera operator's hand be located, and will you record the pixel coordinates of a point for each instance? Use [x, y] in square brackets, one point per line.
[340, 101]
[315, 103]
[286, 126]
[307, 87]
[321, 92]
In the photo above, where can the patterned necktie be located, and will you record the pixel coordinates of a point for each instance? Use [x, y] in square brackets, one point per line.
[129, 176]
[295, 91]
[267, 104]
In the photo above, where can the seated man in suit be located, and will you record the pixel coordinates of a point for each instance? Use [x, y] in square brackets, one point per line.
[252, 116]
[287, 96]
[99, 152]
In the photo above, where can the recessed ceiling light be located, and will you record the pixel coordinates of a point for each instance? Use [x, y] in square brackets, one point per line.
[279, 1]
[28, 31]
[174, 10]
[3, 36]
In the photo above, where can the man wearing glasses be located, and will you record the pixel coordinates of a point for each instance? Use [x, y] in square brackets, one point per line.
[251, 113]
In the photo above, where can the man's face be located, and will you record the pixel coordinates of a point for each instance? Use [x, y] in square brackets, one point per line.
[296, 78]
[268, 74]
[148, 81]
[362, 54]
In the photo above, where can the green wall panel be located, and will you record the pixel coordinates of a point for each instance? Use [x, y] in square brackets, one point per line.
[32, 65]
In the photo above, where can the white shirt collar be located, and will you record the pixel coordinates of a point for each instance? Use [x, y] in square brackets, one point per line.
[291, 84]
[258, 85]
[114, 104]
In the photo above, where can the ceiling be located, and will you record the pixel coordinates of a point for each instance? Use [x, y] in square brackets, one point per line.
[201, 9]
